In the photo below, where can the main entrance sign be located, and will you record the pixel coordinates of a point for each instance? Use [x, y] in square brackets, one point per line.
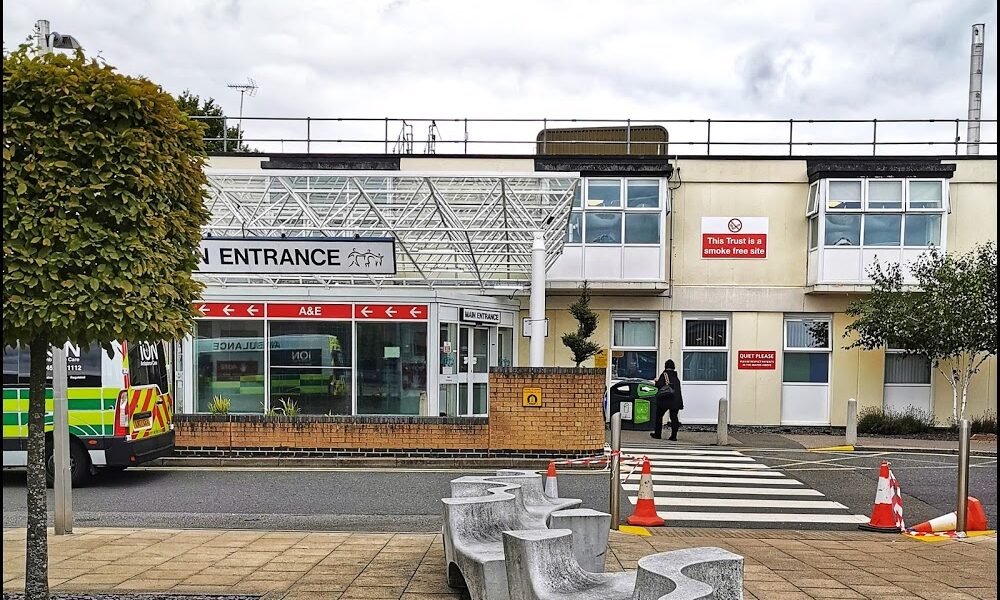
[298, 256]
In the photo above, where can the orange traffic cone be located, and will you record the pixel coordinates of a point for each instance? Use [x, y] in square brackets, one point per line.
[975, 520]
[551, 483]
[645, 506]
[887, 514]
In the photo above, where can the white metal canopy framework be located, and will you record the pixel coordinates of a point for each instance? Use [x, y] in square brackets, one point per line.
[462, 231]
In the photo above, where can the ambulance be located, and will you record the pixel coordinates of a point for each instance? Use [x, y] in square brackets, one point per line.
[120, 407]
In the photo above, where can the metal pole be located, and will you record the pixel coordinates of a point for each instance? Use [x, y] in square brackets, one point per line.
[60, 447]
[975, 89]
[722, 429]
[465, 139]
[708, 137]
[874, 136]
[851, 431]
[614, 506]
[386, 138]
[536, 307]
[545, 136]
[791, 127]
[308, 134]
[964, 433]
[225, 135]
[628, 136]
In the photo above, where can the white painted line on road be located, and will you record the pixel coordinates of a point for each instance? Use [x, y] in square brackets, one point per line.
[682, 451]
[745, 503]
[761, 517]
[658, 469]
[777, 480]
[693, 457]
[709, 489]
[716, 465]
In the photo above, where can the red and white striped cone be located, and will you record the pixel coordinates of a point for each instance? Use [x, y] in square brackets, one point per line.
[551, 482]
[887, 514]
[975, 520]
[645, 506]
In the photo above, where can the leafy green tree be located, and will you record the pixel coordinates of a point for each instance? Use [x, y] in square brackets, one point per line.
[579, 343]
[950, 316]
[213, 121]
[103, 203]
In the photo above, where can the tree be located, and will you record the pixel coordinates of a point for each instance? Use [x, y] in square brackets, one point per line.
[579, 343]
[194, 106]
[103, 203]
[950, 316]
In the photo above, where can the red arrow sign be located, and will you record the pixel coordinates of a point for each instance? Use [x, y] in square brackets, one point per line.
[230, 310]
[296, 310]
[391, 312]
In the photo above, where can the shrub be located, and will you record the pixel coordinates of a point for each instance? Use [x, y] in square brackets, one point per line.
[219, 405]
[875, 420]
[986, 423]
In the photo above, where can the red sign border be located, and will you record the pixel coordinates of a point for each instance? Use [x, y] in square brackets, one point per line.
[744, 366]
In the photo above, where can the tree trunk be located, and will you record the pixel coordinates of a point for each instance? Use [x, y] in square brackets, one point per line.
[36, 562]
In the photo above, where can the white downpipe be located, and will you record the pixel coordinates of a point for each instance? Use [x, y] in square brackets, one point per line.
[536, 309]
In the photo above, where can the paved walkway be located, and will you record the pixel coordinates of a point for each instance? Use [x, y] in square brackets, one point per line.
[788, 565]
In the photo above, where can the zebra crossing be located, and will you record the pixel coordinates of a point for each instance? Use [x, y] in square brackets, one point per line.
[710, 486]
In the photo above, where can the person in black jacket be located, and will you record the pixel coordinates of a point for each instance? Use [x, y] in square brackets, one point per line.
[672, 402]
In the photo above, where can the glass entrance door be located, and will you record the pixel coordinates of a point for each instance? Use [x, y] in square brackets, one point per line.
[465, 365]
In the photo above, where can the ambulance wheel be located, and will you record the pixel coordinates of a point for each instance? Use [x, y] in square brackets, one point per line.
[79, 465]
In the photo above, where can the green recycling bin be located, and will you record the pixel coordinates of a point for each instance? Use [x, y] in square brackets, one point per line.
[635, 399]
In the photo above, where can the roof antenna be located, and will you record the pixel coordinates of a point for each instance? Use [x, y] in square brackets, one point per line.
[246, 89]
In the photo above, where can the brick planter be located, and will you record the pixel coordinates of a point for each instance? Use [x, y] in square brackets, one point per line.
[569, 423]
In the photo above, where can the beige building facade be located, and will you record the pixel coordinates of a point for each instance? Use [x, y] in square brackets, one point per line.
[739, 269]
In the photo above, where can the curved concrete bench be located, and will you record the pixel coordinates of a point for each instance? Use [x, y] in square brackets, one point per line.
[540, 566]
[533, 486]
[476, 516]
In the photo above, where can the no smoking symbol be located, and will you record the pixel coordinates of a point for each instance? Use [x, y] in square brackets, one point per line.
[735, 225]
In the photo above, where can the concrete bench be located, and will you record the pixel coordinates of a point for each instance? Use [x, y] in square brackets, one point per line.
[541, 566]
[533, 492]
[478, 513]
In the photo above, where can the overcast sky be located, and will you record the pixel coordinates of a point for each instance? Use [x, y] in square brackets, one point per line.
[645, 60]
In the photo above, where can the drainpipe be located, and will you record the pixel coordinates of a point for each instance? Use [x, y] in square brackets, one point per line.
[536, 310]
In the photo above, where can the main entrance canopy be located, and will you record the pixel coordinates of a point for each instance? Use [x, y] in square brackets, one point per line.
[453, 231]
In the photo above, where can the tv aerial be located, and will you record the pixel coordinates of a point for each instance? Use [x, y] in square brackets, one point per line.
[246, 89]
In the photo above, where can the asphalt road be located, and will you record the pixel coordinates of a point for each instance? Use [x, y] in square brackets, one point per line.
[283, 499]
[928, 481]
[404, 500]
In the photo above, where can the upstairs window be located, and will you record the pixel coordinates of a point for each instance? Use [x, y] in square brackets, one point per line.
[615, 212]
[877, 213]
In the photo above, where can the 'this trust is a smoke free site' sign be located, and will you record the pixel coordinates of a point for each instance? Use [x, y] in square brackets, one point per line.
[734, 237]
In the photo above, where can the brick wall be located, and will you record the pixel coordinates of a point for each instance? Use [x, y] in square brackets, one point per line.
[569, 423]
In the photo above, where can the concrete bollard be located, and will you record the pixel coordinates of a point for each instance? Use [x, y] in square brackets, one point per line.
[722, 431]
[851, 433]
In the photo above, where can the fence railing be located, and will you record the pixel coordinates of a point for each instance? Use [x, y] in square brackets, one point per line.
[775, 137]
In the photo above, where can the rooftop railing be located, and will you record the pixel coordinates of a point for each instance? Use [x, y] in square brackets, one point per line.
[523, 136]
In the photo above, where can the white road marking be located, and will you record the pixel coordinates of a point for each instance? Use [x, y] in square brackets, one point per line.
[744, 503]
[772, 517]
[658, 469]
[776, 480]
[710, 489]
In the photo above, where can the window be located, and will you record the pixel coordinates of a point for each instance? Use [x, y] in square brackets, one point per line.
[616, 211]
[311, 365]
[812, 204]
[844, 195]
[807, 350]
[603, 227]
[706, 349]
[922, 230]
[633, 346]
[229, 360]
[813, 232]
[902, 368]
[925, 195]
[83, 366]
[882, 230]
[843, 230]
[146, 365]
[392, 368]
[885, 195]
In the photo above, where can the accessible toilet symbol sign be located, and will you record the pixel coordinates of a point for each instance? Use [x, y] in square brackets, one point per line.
[531, 396]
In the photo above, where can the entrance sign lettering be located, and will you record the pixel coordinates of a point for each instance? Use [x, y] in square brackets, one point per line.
[474, 315]
[756, 360]
[296, 310]
[734, 237]
[298, 256]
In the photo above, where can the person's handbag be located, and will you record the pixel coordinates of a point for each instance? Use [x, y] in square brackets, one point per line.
[665, 392]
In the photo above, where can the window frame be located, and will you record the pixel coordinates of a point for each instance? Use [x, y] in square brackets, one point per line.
[726, 348]
[862, 199]
[844, 213]
[864, 220]
[653, 317]
[903, 185]
[800, 318]
[900, 351]
[621, 209]
[940, 233]
[943, 183]
[813, 199]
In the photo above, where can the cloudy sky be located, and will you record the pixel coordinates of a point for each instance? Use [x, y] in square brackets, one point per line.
[645, 60]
